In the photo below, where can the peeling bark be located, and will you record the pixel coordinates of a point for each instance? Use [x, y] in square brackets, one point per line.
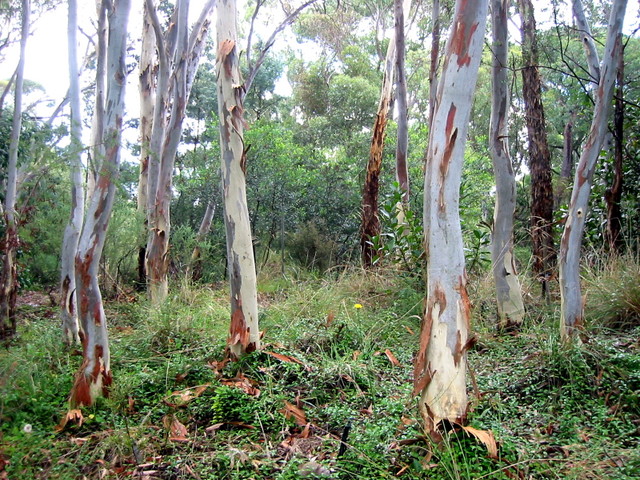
[370, 222]
[571, 305]
[94, 376]
[10, 243]
[195, 264]
[508, 291]
[539, 155]
[244, 336]
[440, 367]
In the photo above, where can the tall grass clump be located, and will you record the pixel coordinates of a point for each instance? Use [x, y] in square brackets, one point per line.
[613, 293]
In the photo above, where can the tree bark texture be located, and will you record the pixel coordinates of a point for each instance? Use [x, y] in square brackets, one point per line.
[9, 278]
[370, 220]
[567, 162]
[539, 154]
[94, 376]
[613, 194]
[68, 304]
[508, 291]
[244, 336]
[435, 55]
[440, 365]
[570, 293]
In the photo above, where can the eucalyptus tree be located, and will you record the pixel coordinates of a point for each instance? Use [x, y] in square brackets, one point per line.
[68, 304]
[571, 242]
[10, 243]
[244, 336]
[178, 54]
[94, 376]
[508, 291]
[440, 364]
[538, 150]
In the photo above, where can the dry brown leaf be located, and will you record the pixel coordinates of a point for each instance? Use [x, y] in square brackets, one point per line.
[180, 398]
[177, 431]
[486, 437]
[73, 416]
[291, 411]
[356, 354]
[411, 332]
[330, 318]
[243, 383]
[392, 358]
[287, 358]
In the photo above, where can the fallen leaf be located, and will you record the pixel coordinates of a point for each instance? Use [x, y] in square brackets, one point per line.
[177, 431]
[73, 416]
[392, 358]
[243, 383]
[180, 398]
[330, 318]
[411, 332]
[356, 354]
[286, 358]
[291, 411]
[486, 437]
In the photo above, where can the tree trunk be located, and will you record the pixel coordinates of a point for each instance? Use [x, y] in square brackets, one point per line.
[9, 278]
[587, 41]
[244, 336]
[94, 377]
[440, 365]
[508, 291]
[402, 171]
[68, 304]
[194, 269]
[97, 122]
[567, 162]
[613, 194]
[370, 223]
[435, 55]
[539, 154]
[179, 59]
[570, 245]
[147, 100]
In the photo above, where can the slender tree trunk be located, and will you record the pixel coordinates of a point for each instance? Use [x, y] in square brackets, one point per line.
[244, 336]
[147, 101]
[94, 376]
[68, 304]
[539, 154]
[195, 264]
[9, 278]
[508, 291]
[402, 171]
[435, 55]
[613, 194]
[370, 223]
[587, 41]
[97, 123]
[179, 59]
[571, 243]
[567, 162]
[440, 365]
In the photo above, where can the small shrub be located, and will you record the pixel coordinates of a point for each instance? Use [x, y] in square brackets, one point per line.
[310, 246]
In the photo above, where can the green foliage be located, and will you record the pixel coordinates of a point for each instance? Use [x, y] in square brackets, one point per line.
[312, 247]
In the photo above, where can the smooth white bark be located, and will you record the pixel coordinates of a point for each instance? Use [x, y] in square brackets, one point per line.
[440, 365]
[244, 336]
[571, 305]
[508, 291]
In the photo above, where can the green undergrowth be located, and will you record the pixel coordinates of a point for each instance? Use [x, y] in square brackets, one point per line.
[336, 365]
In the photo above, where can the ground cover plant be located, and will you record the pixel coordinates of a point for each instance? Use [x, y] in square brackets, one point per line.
[329, 395]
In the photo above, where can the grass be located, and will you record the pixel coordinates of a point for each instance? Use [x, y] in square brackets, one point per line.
[176, 411]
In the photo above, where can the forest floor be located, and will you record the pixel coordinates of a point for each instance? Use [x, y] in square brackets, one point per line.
[336, 364]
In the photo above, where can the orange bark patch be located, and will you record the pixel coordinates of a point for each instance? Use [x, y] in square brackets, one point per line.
[461, 37]
[239, 330]
[422, 373]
